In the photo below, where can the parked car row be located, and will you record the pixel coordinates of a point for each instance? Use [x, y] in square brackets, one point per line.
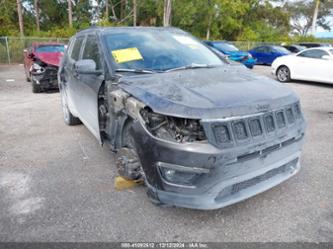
[41, 60]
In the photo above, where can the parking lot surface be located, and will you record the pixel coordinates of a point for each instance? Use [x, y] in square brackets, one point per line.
[57, 183]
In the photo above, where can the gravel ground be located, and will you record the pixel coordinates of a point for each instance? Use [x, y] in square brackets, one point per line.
[56, 182]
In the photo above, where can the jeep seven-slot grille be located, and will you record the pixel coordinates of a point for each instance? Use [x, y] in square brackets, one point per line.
[226, 132]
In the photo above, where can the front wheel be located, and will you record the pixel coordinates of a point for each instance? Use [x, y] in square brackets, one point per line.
[283, 74]
[68, 116]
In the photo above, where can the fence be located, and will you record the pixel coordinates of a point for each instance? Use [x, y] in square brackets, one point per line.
[11, 48]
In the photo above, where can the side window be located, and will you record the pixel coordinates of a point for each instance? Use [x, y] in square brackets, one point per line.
[314, 53]
[269, 50]
[75, 53]
[91, 51]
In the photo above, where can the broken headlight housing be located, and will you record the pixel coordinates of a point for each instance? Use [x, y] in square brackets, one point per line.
[37, 69]
[174, 129]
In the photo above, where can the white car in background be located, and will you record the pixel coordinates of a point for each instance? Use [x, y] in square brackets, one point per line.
[314, 64]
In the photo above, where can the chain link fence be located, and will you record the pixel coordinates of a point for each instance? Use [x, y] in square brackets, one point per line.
[11, 48]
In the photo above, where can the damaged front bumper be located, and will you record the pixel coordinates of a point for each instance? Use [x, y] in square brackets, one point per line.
[47, 79]
[223, 175]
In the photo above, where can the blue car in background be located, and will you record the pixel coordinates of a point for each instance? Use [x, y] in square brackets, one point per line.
[267, 54]
[232, 52]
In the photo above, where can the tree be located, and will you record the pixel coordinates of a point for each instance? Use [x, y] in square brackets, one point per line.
[107, 9]
[36, 5]
[70, 14]
[167, 13]
[20, 16]
[134, 12]
[306, 15]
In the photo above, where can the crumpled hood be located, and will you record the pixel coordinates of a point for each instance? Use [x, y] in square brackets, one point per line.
[208, 92]
[52, 58]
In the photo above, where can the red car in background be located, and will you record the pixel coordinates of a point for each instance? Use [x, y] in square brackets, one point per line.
[41, 63]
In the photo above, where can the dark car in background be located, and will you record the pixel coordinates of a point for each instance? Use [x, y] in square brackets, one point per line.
[201, 133]
[41, 63]
[315, 44]
[294, 48]
[233, 53]
[267, 54]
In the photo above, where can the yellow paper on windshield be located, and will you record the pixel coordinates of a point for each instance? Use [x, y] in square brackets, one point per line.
[126, 55]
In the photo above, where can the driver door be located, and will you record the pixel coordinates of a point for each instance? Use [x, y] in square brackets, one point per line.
[88, 86]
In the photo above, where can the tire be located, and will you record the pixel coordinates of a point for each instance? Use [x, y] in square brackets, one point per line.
[35, 87]
[68, 116]
[127, 159]
[283, 74]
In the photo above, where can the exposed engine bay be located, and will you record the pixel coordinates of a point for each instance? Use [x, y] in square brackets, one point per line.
[180, 130]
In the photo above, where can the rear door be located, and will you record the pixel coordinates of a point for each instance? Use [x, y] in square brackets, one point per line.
[87, 86]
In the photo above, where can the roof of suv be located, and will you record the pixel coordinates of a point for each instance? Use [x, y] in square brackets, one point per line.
[105, 29]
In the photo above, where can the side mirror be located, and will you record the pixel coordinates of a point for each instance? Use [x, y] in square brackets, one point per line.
[87, 66]
[326, 57]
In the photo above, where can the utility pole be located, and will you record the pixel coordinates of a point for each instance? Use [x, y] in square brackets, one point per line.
[37, 14]
[20, 17]
[134, 13]
[70, 14]
[315, 17]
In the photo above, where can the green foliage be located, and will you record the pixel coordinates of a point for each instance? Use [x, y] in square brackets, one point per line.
[250, 20]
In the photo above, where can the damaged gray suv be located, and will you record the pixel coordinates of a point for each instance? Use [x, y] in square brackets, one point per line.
[200, 132]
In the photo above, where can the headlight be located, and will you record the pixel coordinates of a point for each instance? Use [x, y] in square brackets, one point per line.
[36, 68]
[171, 128]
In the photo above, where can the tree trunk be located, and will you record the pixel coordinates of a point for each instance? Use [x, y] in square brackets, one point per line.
[20, 17]
[208, 27]
[107, 9]
[167, 13]
[134, 13]
[122, 9]
[315, 17]
[36, 5]
[70, 14]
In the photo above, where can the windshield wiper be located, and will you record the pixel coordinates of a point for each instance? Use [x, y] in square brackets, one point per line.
[135, 70]
[191, 66]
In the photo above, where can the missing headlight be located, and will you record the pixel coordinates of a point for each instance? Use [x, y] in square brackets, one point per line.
[169, 128]
[36, 68]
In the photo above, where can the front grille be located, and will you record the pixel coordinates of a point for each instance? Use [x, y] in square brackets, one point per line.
[269, 123]
[241, 130]
[221, 133]
[258, 179]
[255, 127]
[238, 187]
